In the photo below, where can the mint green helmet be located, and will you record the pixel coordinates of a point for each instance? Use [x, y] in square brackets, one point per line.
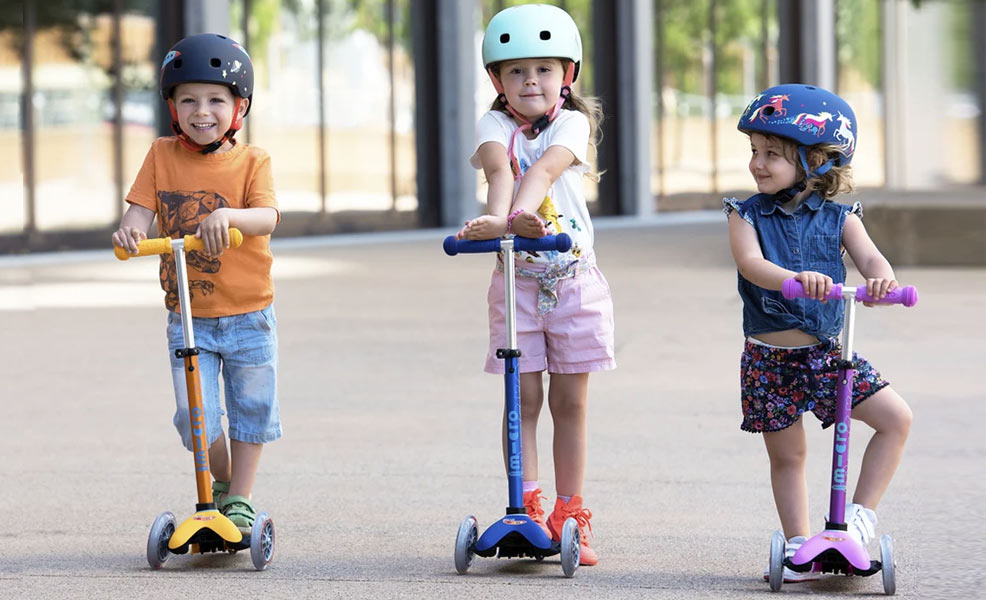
[532, 31]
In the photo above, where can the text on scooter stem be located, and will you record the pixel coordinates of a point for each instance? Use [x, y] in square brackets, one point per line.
[513, 435]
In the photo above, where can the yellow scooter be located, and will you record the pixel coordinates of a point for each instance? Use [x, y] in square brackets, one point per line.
[207, 530]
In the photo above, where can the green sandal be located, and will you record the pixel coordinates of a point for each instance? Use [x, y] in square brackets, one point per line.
[220, 489]
[239, 510]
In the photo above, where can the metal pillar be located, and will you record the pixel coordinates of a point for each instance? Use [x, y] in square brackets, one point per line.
[623, 56]
[445, 58]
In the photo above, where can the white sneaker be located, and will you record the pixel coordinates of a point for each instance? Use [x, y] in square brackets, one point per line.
[860, 523]
[792, 576]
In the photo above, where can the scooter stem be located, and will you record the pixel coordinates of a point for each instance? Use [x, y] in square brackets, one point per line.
[511, 380]
[843, 420]
[193, 385]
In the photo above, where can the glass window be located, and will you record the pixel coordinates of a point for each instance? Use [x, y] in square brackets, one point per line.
[139, 72]
[859, 64]
[368, 102]
[961, 142]
[13, 213]
[73, 108]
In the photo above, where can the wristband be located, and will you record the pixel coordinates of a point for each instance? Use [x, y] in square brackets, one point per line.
[511, 217]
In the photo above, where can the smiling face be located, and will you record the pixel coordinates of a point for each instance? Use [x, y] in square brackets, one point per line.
[771, 164]
[532, 85]
[205, 111]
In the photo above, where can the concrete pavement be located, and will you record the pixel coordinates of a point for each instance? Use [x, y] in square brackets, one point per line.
[391, 430]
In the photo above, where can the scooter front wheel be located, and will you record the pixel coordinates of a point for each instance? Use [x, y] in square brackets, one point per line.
[889, 567]
[465, 541]
[776, 568]
[157, 541]
[262, 541]
[571, 547]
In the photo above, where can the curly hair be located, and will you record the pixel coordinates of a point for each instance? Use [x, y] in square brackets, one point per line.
[589, 106]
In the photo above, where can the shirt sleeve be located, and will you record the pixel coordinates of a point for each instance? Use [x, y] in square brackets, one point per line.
[490, 128]
[731, 204]
[260, 193]
[143, 192]
[571, 130]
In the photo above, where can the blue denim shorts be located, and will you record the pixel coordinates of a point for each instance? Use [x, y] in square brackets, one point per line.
[244, 349]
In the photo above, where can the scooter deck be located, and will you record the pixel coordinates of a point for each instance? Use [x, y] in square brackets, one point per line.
[832, 551]
[516, 536]
[207, 531]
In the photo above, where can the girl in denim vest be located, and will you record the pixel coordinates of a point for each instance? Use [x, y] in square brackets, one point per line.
[532, 146]
[802, 140]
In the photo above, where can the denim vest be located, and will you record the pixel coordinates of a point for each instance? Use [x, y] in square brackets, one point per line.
[808, 240]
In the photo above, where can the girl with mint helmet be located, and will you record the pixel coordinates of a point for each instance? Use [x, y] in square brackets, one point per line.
[807, 115]
[532, 31]
[208, 58]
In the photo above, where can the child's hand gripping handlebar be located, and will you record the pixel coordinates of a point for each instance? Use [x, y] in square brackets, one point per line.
[906, 295]
[163, 245]
[561, 242]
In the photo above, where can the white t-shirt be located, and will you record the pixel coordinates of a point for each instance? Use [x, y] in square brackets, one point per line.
[564, 209]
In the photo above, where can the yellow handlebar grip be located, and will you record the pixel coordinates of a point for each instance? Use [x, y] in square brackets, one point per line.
[194, 243]
[146, 248]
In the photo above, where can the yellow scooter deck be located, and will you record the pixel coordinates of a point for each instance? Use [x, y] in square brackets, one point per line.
[212, 520]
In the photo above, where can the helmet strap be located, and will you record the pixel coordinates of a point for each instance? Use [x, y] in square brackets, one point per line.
[539, 124]
[187, 142]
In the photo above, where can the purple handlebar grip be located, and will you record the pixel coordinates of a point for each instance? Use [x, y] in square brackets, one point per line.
[792, 288]
[906, 295]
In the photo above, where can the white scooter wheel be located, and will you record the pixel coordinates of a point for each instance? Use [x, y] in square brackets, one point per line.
[571, 547]
[889, 567]
[262, 541]
[776, 570]
[465, 541]
[157, 541]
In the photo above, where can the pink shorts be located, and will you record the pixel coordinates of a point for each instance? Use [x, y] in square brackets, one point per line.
[575, 337]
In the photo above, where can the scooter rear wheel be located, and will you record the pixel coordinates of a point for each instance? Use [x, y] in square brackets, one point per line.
[889, 567]
[157, 541]
[776, 568]
[571, 547]
[262, 541]
[465, 541]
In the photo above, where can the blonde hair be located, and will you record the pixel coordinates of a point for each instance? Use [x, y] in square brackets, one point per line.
[837, 180]
[589, 106]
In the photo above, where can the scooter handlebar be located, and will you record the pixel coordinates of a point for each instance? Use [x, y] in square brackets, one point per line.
[906, 295]
[560, 242]
[154, 246]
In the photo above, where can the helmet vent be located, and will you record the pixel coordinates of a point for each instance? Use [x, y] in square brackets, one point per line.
[768, 110]
[215, 63]
[176, 63]
[504, 38]
[545, 35]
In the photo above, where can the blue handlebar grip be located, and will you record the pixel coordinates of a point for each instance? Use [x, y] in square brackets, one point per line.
[453, 246]
[561, 242]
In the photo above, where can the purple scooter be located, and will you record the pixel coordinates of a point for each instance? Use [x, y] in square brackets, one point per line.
[833, 550]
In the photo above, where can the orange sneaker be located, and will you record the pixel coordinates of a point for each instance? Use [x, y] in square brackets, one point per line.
[532, 502]
[563, 510]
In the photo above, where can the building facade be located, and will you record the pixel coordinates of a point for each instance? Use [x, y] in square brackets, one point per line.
[368, 107]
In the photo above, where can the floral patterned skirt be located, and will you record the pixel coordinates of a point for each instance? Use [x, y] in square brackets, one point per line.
[778, 385]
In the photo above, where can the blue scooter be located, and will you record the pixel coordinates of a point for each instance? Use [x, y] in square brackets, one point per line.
[516, 534]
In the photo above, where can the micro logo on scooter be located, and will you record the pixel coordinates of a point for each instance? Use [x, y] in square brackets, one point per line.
[839, 472]
[513, 434]
[509, 521]
[198, 435]
[201, 517]
[833, 538]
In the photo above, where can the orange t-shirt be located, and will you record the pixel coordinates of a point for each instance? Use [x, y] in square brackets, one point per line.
[183, 188]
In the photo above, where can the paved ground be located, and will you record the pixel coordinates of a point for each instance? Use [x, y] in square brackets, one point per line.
[391, 430]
